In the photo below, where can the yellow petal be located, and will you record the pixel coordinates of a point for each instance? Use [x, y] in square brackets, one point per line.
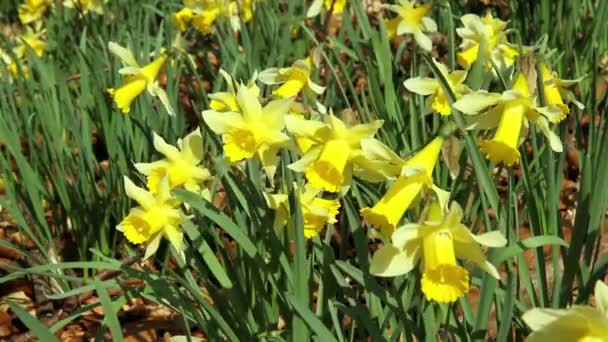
[390, 261]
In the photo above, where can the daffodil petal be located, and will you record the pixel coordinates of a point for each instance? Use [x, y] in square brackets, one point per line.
[152, 246]
[302, 164]
[423, 40]
[315, 130]
[406, 233]
[390, 261]
[274, 113]
[141, 196]
[269, 76]
[169, 151]
[474, 103]
[421, 85]
[538, 318]
[490, 239]
[601, 297]
[123, 53]
[473, 253]
[221, 123]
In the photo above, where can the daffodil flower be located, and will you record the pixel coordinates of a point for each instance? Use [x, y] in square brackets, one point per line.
[316, 211]
[292, 79]
[138, 79]
[438, 101]
[158, 215]
[11, 65]
[492, 31]
[254, 131]
[556, 91]
[225, 101]
[32, 10]
[328, 163]
[438, 241]
[86, 6]
[510, 112]
[577, 323]
[181, 165]
[413, 177]
[335, 6]
[31, 39]
[412, 20]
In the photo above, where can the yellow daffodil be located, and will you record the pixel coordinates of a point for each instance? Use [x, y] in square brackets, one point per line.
[32, 10]
[11, 66]
[556, 91]
[180, 165]
[316, 211]
[86, 6]
[412, 20]
[328, 163]
[158, 215]
[438, 101]
[31, 39]
[202, 14]
[292, 79]
[492, 31]
[577, 323]
[335, 6]
[510, 111]
[225, 101]
[138, 79]
[414, 176]
[254, 131]
[439, 239]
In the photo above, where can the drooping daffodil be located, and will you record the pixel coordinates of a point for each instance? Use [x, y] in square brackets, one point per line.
[225, 101]
[138, 79]
[492, 31]
[335, 6]
[438, 240]
[510, 112]
[557, 92]
[86, 6]
[32, 10]
[328, 163]
[414, 176]
[255, 131]
[316, 211]
[577, 323]
[181, 164]
[293, 79]
[411, 19]
[438, 101]
[158, 215]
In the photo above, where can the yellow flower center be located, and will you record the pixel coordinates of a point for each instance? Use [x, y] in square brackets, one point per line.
[503, 147]
[327, 172]
[442, 280]
[239, 144]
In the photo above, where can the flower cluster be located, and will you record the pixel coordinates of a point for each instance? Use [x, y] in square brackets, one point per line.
[158, 213]
[203, 14]
[277, 116]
